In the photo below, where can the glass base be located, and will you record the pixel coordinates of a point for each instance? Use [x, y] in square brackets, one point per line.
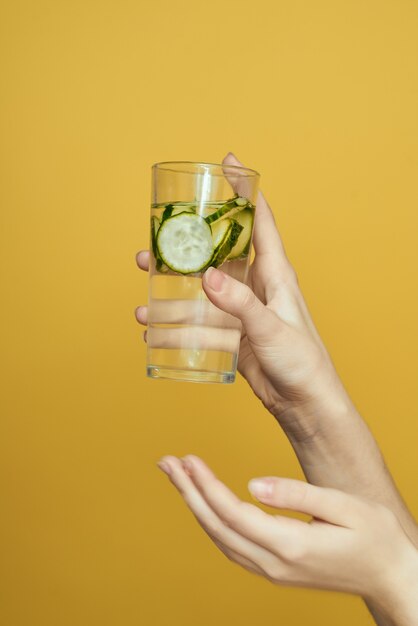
[191, 376]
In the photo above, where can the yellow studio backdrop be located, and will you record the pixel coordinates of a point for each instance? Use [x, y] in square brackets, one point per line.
[321, 98]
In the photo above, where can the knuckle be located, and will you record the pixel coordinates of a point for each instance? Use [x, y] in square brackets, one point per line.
[231, 515]
[214, 528]
[249, 299]
[246, 508]
[208, 488]
[274, 572]
[286, 276]
[293, 551]
[297, 492]
[230, 518]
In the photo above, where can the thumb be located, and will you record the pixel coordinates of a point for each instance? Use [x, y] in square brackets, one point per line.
[236, 298]
[330, 505]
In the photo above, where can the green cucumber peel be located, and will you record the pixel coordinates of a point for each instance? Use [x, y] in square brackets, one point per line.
[167, 212]
[228, 209]
[173, 209]
[155, 225]
[243, 246]
[228, 242]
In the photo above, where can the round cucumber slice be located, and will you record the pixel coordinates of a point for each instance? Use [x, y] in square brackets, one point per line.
[185, 243]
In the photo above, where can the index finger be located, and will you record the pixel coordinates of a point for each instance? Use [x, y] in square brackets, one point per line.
[272, 533]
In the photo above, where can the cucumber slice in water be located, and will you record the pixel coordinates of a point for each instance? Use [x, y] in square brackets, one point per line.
[184, 243]
[155, 225]
[241, 248]
[174, 209]
[227, 210]
[220, 231]
[225, 234]
[160, 266]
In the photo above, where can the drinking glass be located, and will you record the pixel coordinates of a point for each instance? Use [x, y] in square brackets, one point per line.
[202, 215]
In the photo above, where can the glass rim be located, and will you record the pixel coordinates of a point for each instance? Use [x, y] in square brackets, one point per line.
[165, 165]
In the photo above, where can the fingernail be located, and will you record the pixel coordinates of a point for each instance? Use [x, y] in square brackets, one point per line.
[232, 155]
[260, 488]
[165, 467]
[214, 278]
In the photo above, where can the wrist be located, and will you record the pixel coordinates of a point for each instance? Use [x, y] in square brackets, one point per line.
[334, 444]
[309, 422]
[397, 596]
[313, 410]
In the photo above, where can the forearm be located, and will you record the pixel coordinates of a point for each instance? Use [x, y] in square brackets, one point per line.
[338, 450]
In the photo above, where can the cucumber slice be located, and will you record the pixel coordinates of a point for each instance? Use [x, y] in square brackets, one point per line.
[155, 225]
[182, 209]
[167, 212]
[176, 208]
[228, 209]
[225, 234]
[184, 243]
[220, 230]
[245, 218]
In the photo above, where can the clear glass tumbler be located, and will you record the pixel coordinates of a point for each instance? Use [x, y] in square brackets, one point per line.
[202, 215]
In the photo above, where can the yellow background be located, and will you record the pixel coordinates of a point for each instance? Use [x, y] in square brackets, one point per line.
[321, 98]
